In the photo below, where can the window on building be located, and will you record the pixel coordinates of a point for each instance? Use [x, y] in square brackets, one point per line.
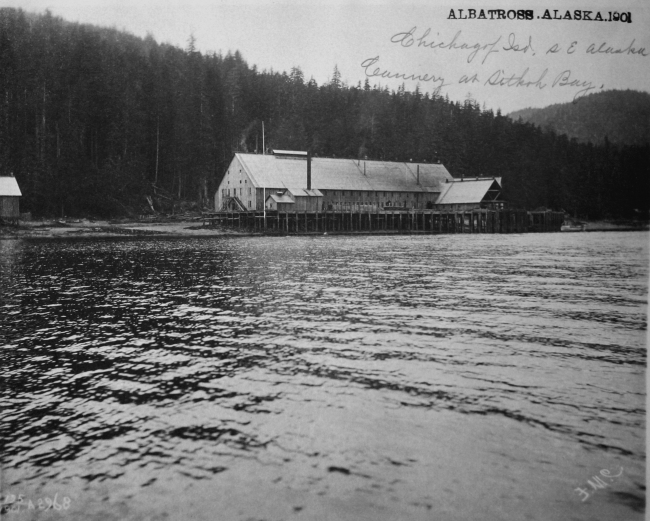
[249, 204]
[250, 191]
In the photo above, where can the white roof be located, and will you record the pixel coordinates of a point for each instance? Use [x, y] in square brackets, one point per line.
[9, 187]
[344, 174]
[466, 191]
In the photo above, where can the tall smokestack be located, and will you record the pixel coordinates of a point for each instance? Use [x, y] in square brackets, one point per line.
[309, 169]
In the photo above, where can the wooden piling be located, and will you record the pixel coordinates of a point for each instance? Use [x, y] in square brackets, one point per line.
[411, 220]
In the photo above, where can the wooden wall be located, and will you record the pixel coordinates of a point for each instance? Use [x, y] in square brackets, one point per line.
[9, 207]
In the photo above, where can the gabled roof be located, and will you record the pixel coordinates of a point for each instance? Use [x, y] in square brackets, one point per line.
[467, 191]
[284, 198]
[9, 187]
[343, 174]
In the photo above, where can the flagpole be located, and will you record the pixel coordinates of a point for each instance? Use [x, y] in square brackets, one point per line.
[264, 187]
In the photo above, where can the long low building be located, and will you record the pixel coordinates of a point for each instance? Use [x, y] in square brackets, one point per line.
[290, 180]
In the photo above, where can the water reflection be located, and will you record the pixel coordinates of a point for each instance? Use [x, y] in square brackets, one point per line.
[148, 364]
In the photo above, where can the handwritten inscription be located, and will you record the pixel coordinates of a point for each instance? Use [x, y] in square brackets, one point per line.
[379, 73]
[501, 79]
[14, 504]
[408, 39]
[565, 79]
[603, 48]
[597, 482]
[477, 52]
[516, 47]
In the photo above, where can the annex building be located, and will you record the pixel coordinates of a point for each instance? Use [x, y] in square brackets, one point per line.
[291, 181]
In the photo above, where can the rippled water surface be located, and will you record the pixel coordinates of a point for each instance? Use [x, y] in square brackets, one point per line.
[378, 378]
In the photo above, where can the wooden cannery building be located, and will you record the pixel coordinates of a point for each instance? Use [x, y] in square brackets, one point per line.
[9, 199]
[292, 181]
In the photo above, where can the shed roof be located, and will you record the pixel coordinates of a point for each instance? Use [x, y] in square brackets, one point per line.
[296, 153]
[9, 187]
[469, 191]
[343, 174]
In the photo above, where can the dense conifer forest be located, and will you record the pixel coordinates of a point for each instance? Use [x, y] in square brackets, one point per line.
[621, 117]
[94, 120]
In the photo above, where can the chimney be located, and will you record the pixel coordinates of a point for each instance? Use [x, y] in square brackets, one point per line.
[309, 169]
[418, 174]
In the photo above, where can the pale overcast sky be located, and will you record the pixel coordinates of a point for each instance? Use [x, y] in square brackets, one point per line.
[365, 37]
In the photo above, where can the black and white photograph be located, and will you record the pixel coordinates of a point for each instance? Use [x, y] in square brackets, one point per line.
[341, 260]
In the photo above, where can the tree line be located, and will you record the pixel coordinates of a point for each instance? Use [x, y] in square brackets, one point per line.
[618, 116]
[94, 120]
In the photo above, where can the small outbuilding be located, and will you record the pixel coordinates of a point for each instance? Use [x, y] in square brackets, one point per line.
[9, 199]
[280, 201]
[295, 200]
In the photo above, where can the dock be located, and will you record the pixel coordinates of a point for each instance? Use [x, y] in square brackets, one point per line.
[388, 221]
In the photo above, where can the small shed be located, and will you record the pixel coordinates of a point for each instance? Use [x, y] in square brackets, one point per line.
[9, 197]
[295, 200]
[280, 201]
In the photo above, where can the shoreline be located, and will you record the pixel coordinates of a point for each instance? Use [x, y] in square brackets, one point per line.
[96, 229]
[91, 229]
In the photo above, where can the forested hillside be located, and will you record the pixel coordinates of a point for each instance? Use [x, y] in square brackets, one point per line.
[91, 119]
[620, 117]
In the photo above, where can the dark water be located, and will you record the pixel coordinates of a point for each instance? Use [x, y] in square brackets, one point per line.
[379, 378]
